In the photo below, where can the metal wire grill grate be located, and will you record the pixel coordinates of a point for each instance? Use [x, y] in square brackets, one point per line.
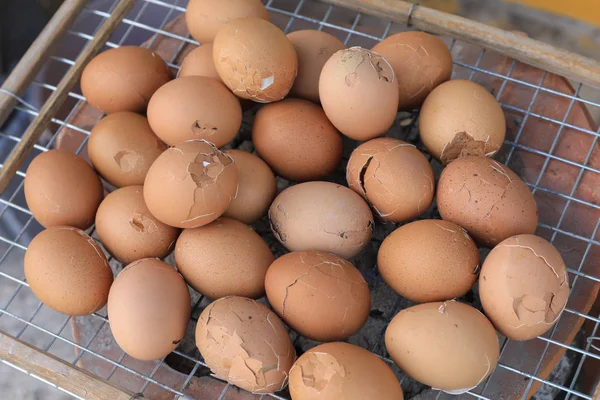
[554, 148]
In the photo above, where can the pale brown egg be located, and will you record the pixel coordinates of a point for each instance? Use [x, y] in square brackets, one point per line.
[199, 62]
[420, 61]
[122, 147]
[461, 118]
[246, 344]
[123, 79]
[359, 93]
[194, 107]
[129, 231]
[393, 176]
[255, 59]
[524, 286]
[67, 271]
[334, 371]
[148, 309]
[190, 185]
[297, 140]
[487, 199]
[62, 189]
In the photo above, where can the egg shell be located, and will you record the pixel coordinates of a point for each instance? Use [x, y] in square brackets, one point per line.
[524, 286]
[246, 344]
[420, 61]
[393, 176]
[313, 49]
[199, 62]
[359, 93]
[123, 79]
[62, 189]
[67, 271]
[340, 370]
[461, 118]
[129, 231]
[429, 260]
[223, 258]
[256, 188]
[255, 59]
[487, 199]
[319, 295]
[190, 185]
[297, 140]
[122, 147]
[321, 216]
[149, 308]
[195, 107]
[449, 346]
[204, 18]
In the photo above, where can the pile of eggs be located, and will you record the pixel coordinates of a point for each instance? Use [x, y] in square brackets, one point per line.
[176, 189]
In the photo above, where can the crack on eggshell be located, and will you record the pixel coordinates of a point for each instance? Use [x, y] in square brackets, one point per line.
[463, 144]
[142, 223]
[127, 160]
[349, 234]
[203, 129]
[354, 57]
[456, 392]
[276, 226]
[89, 241]
[320, 371]
[361, 175]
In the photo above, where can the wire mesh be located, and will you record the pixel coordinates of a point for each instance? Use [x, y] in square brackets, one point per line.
[569, 209]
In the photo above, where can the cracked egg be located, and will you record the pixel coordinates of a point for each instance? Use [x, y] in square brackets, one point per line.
[524, 286]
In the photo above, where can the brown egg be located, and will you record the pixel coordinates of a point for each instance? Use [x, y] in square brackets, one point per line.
[149, 308]
[319, 295]
[199, 62]
[223, 258]
[393, 176]
[450, 346]
[340, 370]
[122, 147]
[256, 188]
[313, 49]
[246, 344]
[62, 189]
[190, 184]
[321, 216]
[524, 286]
[67, 271]
[128, 230]
[429, 260]
[204, 18]
[359, 93]
[487, 199]
[255, 59]
[195, 107]
[420, 61]
[123, 79]
[461, 118]
[297, 140]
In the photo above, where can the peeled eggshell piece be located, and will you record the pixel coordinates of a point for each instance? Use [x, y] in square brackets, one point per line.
[199, 62]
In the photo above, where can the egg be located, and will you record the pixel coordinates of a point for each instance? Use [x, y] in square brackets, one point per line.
[246, 344]
[190, 184]
[199, 62]
[67, 271]
[393, 176]
[420, 61]
[122, 147]
[429, 260]
[123, 79]
[487, 199]
[449, 346]
[333, 371]
[313, 49]
[62, 189]
[148, 309]
[461, 118]
[256, 188]
[204, 18]
[223, 258]
[297, 140]
[194, 107]
[319, 295]
[129, 231]
[359, 93]
[524, 286]
[321, 216]
[255, 59]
